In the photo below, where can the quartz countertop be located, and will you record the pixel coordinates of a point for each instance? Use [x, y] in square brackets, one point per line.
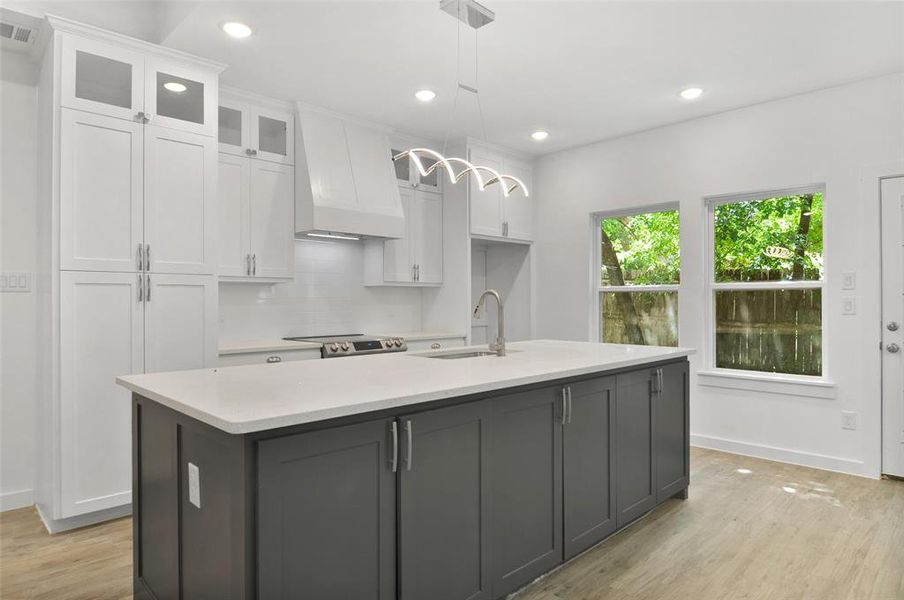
[246, 399]
[280, 345]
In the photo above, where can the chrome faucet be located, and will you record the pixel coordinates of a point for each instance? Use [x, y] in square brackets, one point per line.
[499, 346]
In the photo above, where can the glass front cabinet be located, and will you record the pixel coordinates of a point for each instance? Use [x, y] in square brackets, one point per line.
[262, 132]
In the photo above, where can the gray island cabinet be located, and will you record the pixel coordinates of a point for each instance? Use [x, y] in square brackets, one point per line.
[461, 498]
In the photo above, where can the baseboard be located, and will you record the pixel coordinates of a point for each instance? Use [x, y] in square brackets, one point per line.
[18, 499]
[794, 457]
[60, 525]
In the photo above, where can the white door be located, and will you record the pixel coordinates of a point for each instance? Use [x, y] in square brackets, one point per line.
[101, 78]
[326, 153]
[181, 96]
[180, 183]
[100, 192]
[426, 231]
[233, 191]
[101, 337]
[397, 263]
[518, 212]
[273, 135]
[486, 206]
[180, 322]
[272, 219]
[233, 127]
[893, 326]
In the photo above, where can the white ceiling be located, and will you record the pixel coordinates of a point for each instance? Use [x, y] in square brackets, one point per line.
[584, 71]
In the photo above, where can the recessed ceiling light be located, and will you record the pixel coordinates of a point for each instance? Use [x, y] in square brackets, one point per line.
[540, 135]
[425, 95]
[175, 86]
[691, 93]
[236, 29]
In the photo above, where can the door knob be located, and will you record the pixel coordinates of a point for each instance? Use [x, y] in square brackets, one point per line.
[893, 348]
[892, 326]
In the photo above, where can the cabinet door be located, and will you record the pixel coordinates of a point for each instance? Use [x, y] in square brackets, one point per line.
[486, 206]
[180, 182]
[327, 515]
[326, 154]
[272, 219]
[527, 487]
[518, 211]
[672, 432]
[634, 452]
[234, 127]
[181, 97]
[101, 337]
[273, 135]
[588, 465]
[180, 322]
[100, 192]
[425, 227]
[101, 78]
[397, 253]
[444, 503]
[233, 192]
[375, 180]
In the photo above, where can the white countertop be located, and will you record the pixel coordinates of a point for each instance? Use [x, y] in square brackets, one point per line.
[251, 398]
[286, 345]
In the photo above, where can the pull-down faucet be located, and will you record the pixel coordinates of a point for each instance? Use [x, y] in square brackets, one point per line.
[499, 346]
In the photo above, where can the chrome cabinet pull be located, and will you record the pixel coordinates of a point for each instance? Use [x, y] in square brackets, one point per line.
[435, 346]
[564, 405]
[140, 257]
[140, 288]
[892, 326]
[408, 457]
[247, 264]
[274, 359]
[660, 381]
[254, 264]
[395, 446]
[413, 272]
[147, 285]
[570, 406]
[893, 348]
[147, 257]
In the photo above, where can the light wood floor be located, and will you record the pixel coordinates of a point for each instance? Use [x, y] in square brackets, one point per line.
[741, 535]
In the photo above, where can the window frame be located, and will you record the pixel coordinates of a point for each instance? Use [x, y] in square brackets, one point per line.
[711, 286]
[597, 287]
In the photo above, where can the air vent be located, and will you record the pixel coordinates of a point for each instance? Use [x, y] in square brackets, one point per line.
[18, 32]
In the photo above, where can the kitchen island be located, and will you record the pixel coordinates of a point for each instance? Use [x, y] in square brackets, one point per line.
[399, 476]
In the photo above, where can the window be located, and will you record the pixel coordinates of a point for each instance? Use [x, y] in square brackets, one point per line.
[766, 282]
[638, 278]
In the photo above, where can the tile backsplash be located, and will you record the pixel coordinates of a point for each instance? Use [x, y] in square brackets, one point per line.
[326, 297]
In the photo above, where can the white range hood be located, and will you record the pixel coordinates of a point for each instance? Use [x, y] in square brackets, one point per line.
[345, 182]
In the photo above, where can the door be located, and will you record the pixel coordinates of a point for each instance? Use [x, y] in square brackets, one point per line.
[101, 78]
[397, 253]
[526, 517]
[100, 192]
[180, 322]
[486, 206]
[588, 465]
[181, 96]
[234, 128]
[101, 337]
[444, 503]
[233, 192]
[425, 227]
[272, 222]
[180, 184]
[893, 326]
[671, 430]
[327, 514]
[272, 135]
[635, 487]
[518, 208]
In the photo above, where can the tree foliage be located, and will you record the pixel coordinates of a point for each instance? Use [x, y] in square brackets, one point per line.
[646, 246]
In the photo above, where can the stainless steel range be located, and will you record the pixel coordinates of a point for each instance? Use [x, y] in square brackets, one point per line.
[353, 344]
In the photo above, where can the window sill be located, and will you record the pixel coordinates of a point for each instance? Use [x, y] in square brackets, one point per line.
[788, 385]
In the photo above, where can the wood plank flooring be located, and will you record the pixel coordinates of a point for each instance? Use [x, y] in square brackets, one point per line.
[776, 532]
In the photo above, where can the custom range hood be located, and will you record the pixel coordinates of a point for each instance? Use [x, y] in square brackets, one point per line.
[345, 183]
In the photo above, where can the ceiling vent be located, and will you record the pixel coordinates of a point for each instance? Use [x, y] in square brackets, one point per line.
[17, 31]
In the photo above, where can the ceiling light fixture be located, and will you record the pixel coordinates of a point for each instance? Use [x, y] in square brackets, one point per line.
[476, 16]
[691, 93]
[425, 95]
[334, 236]
[236, 29]
[175, 87]
[540, 135]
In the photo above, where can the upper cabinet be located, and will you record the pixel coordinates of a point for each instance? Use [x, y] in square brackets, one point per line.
[407, 174]
[253, 127]
[493, 214]
[180, 96]
[102, 78]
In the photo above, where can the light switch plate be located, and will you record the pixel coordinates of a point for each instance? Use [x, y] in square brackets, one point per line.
[194, 485]
[15, 281]
[848, 420]
[848, 281]
[849, 305]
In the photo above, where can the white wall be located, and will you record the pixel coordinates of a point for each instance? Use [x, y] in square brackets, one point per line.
[832, 137]
[18, 252]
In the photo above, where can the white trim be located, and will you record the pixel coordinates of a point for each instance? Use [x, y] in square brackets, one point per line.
[768, 285]
[92, 518]
[17, 499]
[716, 199]
[836, 464]
[671, 287]
[634, 210]
[773, 383]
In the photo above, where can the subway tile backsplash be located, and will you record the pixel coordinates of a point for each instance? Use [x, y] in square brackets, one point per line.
[326, 297]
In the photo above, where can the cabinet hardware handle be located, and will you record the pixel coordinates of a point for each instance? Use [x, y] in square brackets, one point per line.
[570, 406]
[659, 371]
[147, 257]
[408, 454]
[564, 405]
[247, 264]
[147, 285]
[274, 359]
[435, 346]
[140, 257]
[413, 272]
[395, 446]
[418, 268]
[142, 117]
[249, 151]
[892, 326]
[254, 264]
[140, 288]
[893, 348]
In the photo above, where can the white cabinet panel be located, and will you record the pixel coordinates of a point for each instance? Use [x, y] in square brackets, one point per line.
[397, 263]
[272, 219]
[262, 358]
[180, 179]
[272, 135]
[101, 336]
[426, 232]
[233, 127]
[180, 322]
[326, 152]
[486, 205]
[100, 192]
[518, 214]
[374, 175]
[101, 78]
[180, 96]
[233, 212]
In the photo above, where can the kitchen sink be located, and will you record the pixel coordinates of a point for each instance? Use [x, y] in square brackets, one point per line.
[462, 353]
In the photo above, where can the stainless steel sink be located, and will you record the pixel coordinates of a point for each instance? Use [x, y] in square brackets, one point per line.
[460, 354]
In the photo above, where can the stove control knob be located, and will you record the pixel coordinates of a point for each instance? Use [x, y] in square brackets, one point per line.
[334, 347]
[345, 346]
[387, 343]
[398, 342]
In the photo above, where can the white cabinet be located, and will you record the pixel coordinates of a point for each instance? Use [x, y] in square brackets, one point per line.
[428, 344]
[407, 174]
[180, 96]
[416, 258]
[234, 359]
[271, 220]
[256, 127]
[180, 322]
[233, 191]
[492, 213]
[518, 208]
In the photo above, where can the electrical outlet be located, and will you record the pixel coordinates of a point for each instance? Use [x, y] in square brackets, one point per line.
[849, 305]
[848, 420]
[848, 281]
[194, 485]
[15, 282]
